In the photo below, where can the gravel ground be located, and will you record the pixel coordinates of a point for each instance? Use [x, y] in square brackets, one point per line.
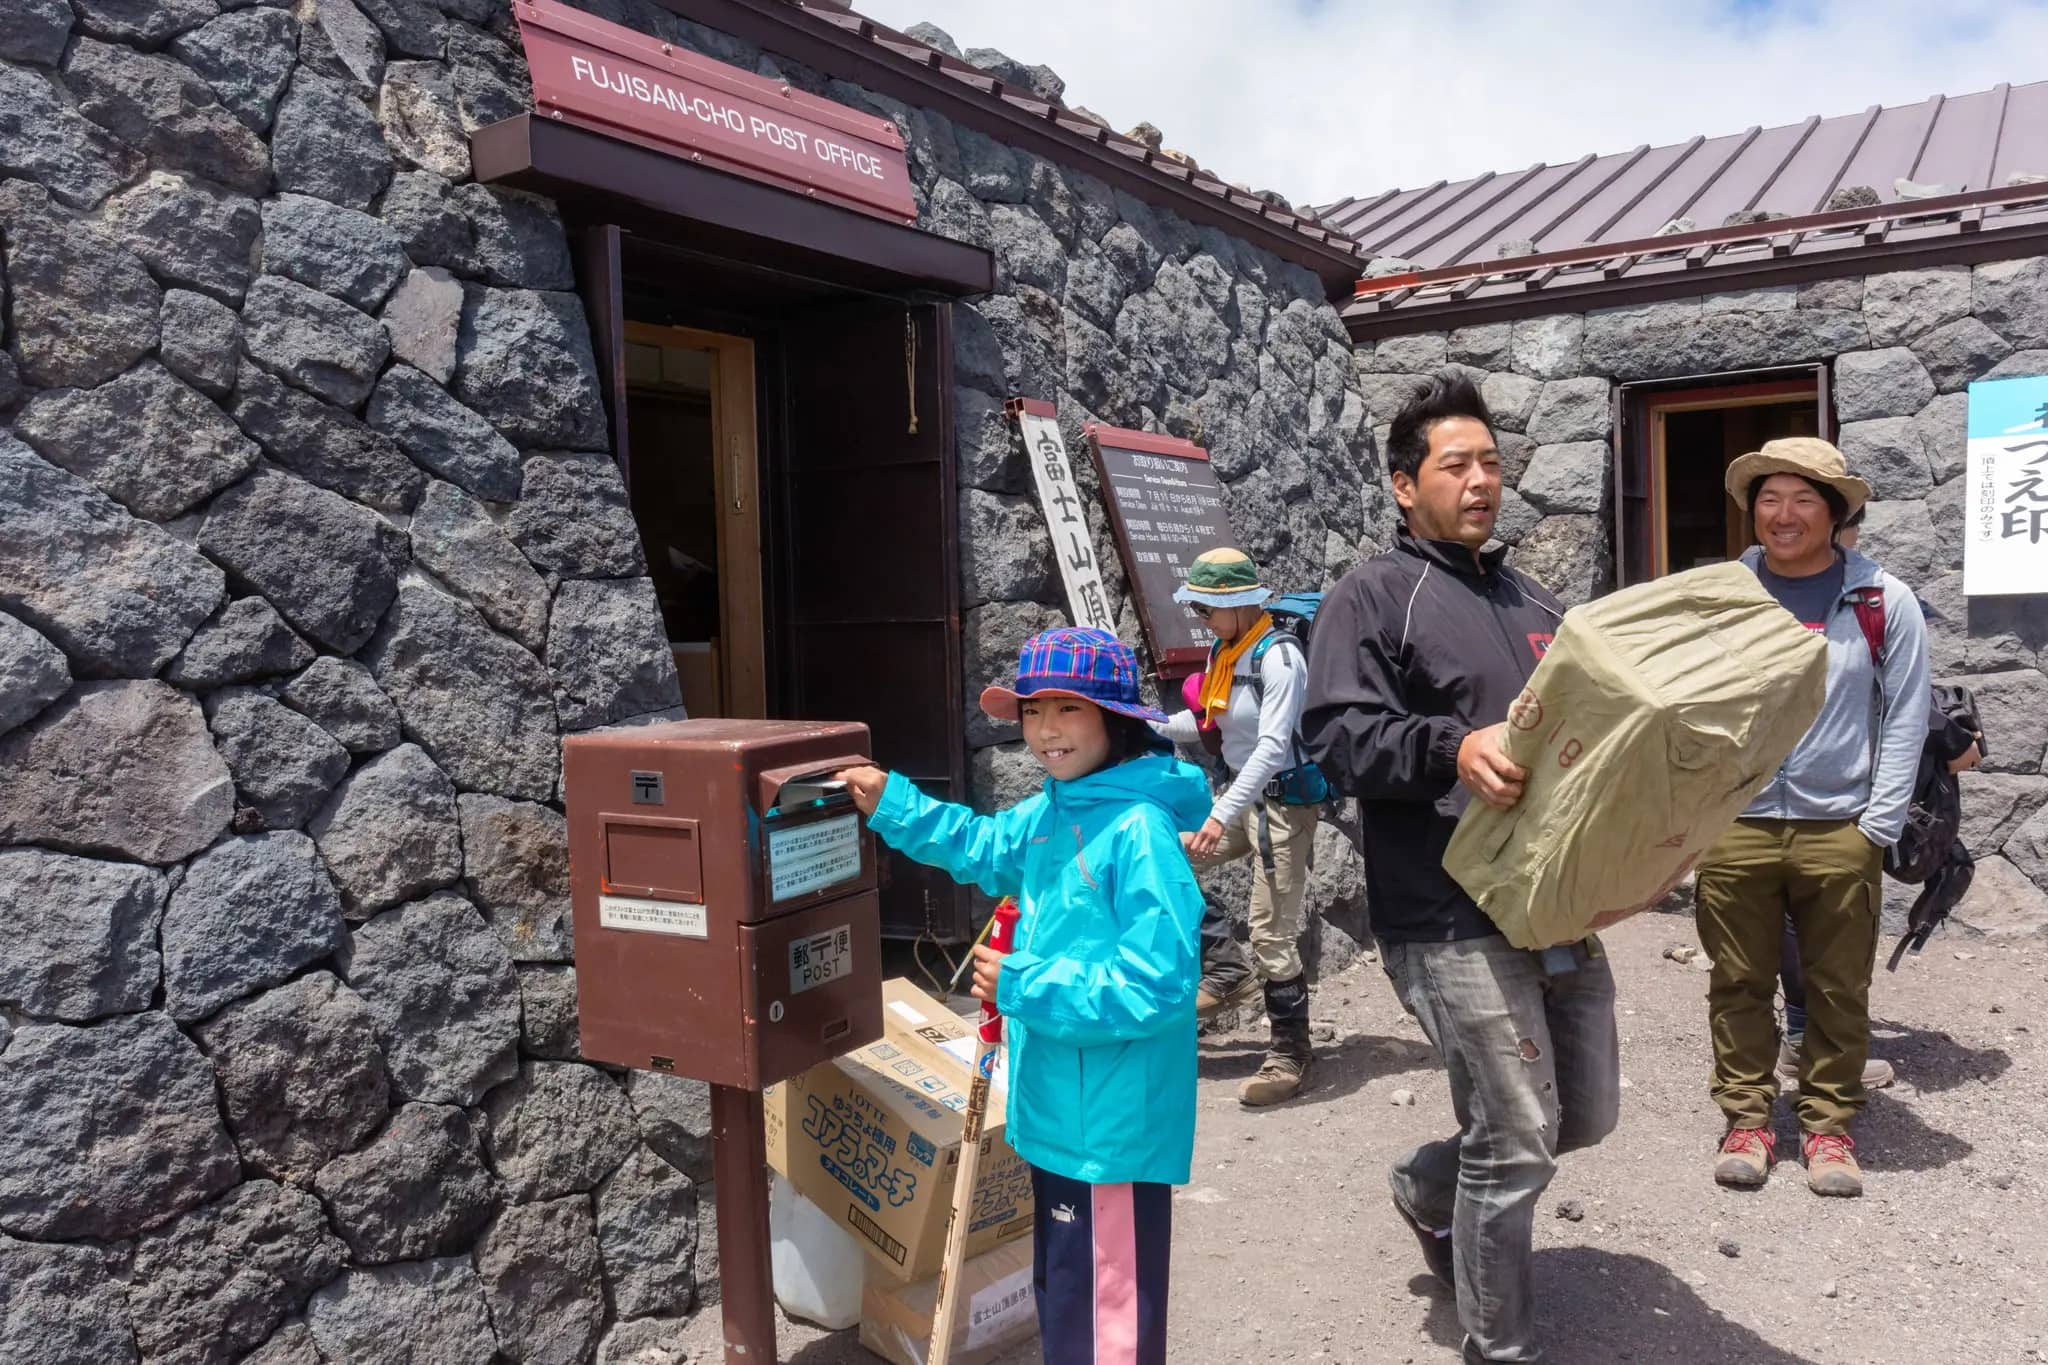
[1286, 1248]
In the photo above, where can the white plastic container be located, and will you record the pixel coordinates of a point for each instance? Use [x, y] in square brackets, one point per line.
[818, 1265]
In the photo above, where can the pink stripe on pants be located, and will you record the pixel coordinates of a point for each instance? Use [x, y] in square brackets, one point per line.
[1116, 1276]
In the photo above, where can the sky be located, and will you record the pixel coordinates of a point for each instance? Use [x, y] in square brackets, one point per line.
[1320, 99]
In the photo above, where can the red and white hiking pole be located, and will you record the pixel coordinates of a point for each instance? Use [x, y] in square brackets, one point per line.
[947, 1309]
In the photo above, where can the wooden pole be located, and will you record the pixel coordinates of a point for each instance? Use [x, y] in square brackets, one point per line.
[946, 1311]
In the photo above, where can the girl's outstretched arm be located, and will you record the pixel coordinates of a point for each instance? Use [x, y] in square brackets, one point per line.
[987, 850]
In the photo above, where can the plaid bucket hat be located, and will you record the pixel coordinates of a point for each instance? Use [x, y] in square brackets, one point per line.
[1224, 577]
[1072, 661]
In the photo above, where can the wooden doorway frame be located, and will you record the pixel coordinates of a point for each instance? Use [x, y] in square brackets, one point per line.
[736, 479]
[1640, 539]
[1784, 392]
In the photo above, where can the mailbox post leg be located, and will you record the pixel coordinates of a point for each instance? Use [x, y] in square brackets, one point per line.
[739, 1163]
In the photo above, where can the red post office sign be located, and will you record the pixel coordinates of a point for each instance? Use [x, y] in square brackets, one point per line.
[612, 80]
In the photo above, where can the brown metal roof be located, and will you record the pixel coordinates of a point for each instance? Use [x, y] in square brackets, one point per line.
[1594, 222]
[1968, 142]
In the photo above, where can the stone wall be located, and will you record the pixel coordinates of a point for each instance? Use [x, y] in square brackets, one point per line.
[1902, 348]
[310, 551]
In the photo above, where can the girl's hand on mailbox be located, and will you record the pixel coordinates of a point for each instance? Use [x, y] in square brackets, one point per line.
[865, 784]
[988, 963]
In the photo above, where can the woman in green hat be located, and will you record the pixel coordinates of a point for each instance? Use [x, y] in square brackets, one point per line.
[1251, 694]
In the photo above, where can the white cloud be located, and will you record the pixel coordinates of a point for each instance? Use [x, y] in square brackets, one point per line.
[1320, 99]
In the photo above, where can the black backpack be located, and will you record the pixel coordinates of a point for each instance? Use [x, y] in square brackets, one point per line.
[1936, 813]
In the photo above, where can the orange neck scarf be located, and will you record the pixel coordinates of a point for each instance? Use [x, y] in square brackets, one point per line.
[1215, 694]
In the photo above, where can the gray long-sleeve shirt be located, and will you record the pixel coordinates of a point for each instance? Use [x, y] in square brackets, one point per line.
[1258, 740]
[1837, 771]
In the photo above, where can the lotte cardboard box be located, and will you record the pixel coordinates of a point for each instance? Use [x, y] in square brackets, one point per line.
[873, 1139]
[997, 1312]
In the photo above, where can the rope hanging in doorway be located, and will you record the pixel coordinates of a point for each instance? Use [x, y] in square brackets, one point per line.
[910, 366]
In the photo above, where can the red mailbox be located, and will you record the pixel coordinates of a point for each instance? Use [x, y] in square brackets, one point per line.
[727, 923]
[727, 928]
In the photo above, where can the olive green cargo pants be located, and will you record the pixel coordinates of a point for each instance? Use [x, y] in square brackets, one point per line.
[1824, 874]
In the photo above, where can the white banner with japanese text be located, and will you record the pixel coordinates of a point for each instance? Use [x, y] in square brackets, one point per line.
[1065, 521]
[2005, 513]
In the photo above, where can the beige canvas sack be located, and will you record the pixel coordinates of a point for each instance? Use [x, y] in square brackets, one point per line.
[1656, 716]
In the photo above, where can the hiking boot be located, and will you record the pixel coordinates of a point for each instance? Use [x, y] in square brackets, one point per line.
[1744, 1160]
[1292, 1056]
[1830, 1169]
[1435, 1243]
[1212, 996]
[1279, 1078]
[1877, 1073]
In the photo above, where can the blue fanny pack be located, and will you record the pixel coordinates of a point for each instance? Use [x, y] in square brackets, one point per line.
[1301, 785]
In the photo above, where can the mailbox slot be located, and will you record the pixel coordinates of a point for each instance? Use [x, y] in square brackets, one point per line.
[769, 787]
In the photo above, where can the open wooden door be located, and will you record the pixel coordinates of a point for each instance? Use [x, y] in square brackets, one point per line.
[1673, 442]
[598, 281]
[695, 492]
[869, 561]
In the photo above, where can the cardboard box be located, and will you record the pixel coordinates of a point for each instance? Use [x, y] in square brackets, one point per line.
[873, 1138]
[997, 1314]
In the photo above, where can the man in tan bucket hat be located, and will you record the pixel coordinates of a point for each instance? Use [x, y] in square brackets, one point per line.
[1811, 845]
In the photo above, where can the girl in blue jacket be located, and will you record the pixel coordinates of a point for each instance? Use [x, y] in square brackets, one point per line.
[1100, 991]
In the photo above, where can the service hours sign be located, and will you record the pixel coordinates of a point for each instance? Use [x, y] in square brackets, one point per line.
[1166, 508]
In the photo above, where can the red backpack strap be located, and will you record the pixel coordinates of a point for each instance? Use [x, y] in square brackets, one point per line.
[1869, 604]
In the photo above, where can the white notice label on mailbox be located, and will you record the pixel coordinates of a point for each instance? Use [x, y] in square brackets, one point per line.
[813, 856]
[820, 958]
[653, 917]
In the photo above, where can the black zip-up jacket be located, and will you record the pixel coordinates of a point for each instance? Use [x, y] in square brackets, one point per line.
[1412, 651]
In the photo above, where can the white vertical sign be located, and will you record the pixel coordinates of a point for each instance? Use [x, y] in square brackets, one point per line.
[2005, 510]
[1060, 500]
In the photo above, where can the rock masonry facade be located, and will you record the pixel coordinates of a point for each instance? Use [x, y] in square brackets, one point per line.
[311, 550]
[1903, 348]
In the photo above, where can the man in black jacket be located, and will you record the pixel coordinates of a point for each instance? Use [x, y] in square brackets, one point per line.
[1417, 657]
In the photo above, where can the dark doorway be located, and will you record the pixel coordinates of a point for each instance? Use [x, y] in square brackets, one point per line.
[848, 455]
[866, 493]
[1677, 441]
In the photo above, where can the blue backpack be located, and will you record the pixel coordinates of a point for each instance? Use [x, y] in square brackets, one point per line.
[1294, 616]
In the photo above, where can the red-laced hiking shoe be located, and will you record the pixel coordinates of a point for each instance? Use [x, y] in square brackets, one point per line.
[1745, 1157]
[1830, 1169]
